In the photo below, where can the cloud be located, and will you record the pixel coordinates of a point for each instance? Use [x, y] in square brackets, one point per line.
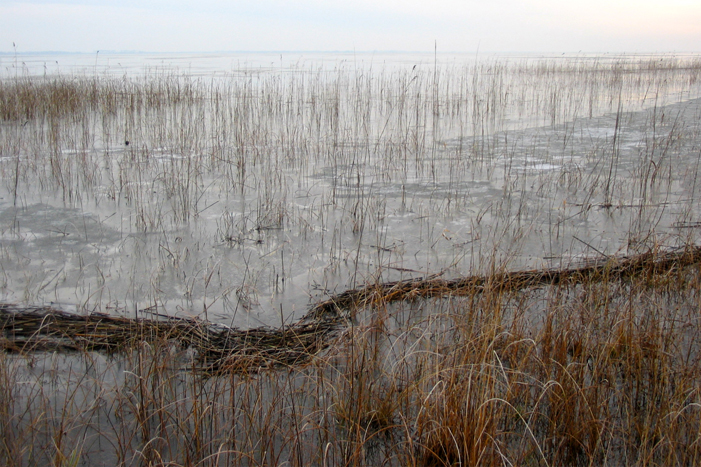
[499, 25]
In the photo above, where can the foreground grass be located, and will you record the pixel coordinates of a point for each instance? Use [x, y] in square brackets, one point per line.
[589, 373]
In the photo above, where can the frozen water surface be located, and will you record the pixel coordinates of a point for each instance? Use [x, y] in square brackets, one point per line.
[252, 186]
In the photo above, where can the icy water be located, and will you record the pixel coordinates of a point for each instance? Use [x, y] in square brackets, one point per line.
[289, 177]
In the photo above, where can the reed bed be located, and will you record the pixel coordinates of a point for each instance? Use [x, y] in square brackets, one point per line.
[353, 265]
[321, 167]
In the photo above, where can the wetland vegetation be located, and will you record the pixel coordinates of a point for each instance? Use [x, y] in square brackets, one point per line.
[495, 262]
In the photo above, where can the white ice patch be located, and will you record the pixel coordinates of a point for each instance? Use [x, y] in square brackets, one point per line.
[544, 166]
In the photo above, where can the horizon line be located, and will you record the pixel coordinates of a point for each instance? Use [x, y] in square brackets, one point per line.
[390, 51]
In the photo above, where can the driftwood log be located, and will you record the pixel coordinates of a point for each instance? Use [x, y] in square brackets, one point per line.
[222, 349]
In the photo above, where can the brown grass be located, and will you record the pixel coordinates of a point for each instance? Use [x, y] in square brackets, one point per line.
[591, 364]
[597, 369]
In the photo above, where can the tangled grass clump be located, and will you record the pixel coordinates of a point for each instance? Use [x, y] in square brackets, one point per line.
[222, 349]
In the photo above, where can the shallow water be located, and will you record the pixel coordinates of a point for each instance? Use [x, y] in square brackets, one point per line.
[249, 232]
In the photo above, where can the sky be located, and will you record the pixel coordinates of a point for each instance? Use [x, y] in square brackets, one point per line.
[542, 26]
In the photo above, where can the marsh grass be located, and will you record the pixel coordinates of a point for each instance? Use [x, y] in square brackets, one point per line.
[212, 198]
[589, 371]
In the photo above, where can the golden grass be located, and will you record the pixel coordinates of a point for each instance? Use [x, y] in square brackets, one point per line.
[593, 365]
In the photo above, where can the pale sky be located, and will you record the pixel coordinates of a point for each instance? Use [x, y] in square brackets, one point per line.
[548, 26]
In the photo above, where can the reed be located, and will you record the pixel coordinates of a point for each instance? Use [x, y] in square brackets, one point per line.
[486, 263]
[602, 367]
